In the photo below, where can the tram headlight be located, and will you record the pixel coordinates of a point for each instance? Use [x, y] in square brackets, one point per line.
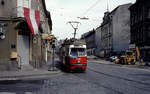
[78, 61]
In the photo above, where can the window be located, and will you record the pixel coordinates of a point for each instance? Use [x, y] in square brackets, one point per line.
[148, 12]
[1, 31]
[78, 52]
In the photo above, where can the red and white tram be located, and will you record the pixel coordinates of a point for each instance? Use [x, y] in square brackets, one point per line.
[74, 57]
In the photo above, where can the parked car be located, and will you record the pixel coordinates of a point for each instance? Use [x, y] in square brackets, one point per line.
[112, 58]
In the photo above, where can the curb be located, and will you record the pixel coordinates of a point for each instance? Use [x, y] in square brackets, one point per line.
[20, 77]
[139, 67]
[101, 61]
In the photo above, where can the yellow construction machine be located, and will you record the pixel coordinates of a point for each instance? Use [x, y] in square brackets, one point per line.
[129, 57]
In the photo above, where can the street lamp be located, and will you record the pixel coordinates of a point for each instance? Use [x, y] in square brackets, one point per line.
[83, 18]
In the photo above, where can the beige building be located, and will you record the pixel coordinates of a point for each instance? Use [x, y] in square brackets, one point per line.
[25, 32]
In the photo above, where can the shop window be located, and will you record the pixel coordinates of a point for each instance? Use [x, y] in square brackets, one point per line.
[13, 46]
[2, 33]
[1, 30]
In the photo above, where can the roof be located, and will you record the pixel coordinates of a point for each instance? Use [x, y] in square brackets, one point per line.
[107, 16]
[47, 13]
[88, 33]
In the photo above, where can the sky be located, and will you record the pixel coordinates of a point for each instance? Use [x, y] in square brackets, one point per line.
[63, 11]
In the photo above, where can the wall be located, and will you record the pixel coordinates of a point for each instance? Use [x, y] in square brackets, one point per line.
[36, 52]
[115, 30]
[121, 28]
[14, 8]
[98, 38]
[8, 45]
[38, 5]
[90, 41]
[98, 41]
[8, 9]
[106, 36]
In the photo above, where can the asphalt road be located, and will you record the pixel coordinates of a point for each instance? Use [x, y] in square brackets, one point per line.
[98, 79]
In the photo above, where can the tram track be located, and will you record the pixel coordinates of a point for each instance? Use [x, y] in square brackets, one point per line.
[118, 77]
[100, 85]
[122, 78]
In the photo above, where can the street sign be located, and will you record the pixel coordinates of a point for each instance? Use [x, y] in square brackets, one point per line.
[132, 46]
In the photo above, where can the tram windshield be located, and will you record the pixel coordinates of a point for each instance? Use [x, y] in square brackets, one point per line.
[78, 52]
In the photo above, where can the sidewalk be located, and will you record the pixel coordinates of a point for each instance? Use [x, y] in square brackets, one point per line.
[98, 60]
[27, 72]
[102, 61]
[17, 75]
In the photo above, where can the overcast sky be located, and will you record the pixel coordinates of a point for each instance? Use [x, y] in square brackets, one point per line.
[63, 11]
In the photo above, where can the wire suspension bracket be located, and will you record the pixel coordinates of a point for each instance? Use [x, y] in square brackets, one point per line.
[75, 25]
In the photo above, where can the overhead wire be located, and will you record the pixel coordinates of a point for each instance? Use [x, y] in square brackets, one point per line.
[94, 5]
[108, 2]
[91, 7]
[113, 3]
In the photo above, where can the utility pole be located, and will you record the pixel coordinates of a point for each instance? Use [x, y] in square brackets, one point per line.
[74, 25]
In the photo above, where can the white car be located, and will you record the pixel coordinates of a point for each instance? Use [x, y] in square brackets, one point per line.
[112, 58]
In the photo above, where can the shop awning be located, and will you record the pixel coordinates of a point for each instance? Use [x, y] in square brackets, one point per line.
[33, 19]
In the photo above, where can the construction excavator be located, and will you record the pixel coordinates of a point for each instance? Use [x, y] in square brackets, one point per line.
[130, 57]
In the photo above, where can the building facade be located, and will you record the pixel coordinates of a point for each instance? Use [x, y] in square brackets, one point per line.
[98, 51]
[140, 21]
[115, 31]
[90, 41]
[25, 28]
[106, 35]
[140, 27]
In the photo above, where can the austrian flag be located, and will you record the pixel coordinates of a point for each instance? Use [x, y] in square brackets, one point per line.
[33, 19]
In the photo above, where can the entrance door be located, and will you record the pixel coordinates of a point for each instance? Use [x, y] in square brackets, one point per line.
[23, 49]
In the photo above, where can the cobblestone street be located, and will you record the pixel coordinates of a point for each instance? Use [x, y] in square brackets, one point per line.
[99, 78]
